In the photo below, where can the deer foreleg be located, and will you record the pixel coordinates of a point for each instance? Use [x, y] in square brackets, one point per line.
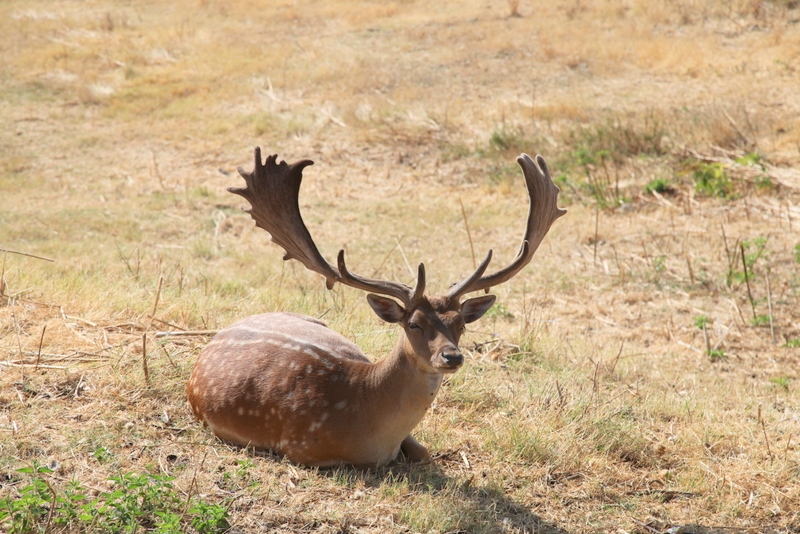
[413, 450]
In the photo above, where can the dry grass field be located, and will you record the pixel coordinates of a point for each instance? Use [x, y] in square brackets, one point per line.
[640, 376]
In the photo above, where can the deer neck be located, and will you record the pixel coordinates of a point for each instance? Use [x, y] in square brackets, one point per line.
[407, 390]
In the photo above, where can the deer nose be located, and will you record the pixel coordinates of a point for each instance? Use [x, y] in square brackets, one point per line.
[453, 359]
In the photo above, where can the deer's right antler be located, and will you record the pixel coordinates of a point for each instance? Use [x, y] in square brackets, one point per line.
[272, 190]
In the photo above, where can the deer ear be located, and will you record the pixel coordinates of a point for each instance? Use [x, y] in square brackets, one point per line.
[387, 309]
[473, 309]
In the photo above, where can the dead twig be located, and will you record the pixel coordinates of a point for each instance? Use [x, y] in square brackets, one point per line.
[469, 235]
[41, 339]
[144, 359]
[186, 333]
[158, 295]
[26, 254]
[747, 281]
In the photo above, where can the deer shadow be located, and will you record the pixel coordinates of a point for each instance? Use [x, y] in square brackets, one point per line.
[480, 508]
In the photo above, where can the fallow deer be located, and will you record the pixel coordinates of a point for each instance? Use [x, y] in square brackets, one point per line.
[287, 383]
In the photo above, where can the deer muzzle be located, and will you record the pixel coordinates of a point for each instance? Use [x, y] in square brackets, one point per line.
[451, 360]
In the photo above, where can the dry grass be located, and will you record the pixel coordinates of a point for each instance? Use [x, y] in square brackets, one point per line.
[628, 382]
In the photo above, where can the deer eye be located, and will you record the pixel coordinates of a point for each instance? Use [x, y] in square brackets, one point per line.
[413, 326]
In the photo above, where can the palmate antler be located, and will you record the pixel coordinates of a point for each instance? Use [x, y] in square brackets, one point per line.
[272, 190]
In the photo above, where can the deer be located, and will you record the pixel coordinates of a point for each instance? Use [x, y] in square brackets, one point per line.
[287, 383]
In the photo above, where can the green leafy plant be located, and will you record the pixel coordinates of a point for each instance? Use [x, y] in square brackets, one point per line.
[245, 465]
[701, 321]
[751, 159]
[659, 185]
[752, 250]
[102, 455]
[136, 503]
[712, 180]
[761, 320]
[26, 512]
[717, 355]
[208, 517]
[797, 253]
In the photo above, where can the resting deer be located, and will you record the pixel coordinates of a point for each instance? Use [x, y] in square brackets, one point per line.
[287, 383]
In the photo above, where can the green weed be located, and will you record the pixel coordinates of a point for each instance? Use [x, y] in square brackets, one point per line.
[753, 250]
[717, 355]
[136, 503]
[659, 185]
[27, 511]
[761, 320]
[208, 517]
[102, 455]
[751, 159]
[701, 321]
[712, 180]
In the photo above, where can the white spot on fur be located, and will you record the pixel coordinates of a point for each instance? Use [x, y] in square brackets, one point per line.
[240, 411]
[341, 405]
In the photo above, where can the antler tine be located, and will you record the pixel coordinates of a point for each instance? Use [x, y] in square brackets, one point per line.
[457, 290]
[543, 210]
[401, 292]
